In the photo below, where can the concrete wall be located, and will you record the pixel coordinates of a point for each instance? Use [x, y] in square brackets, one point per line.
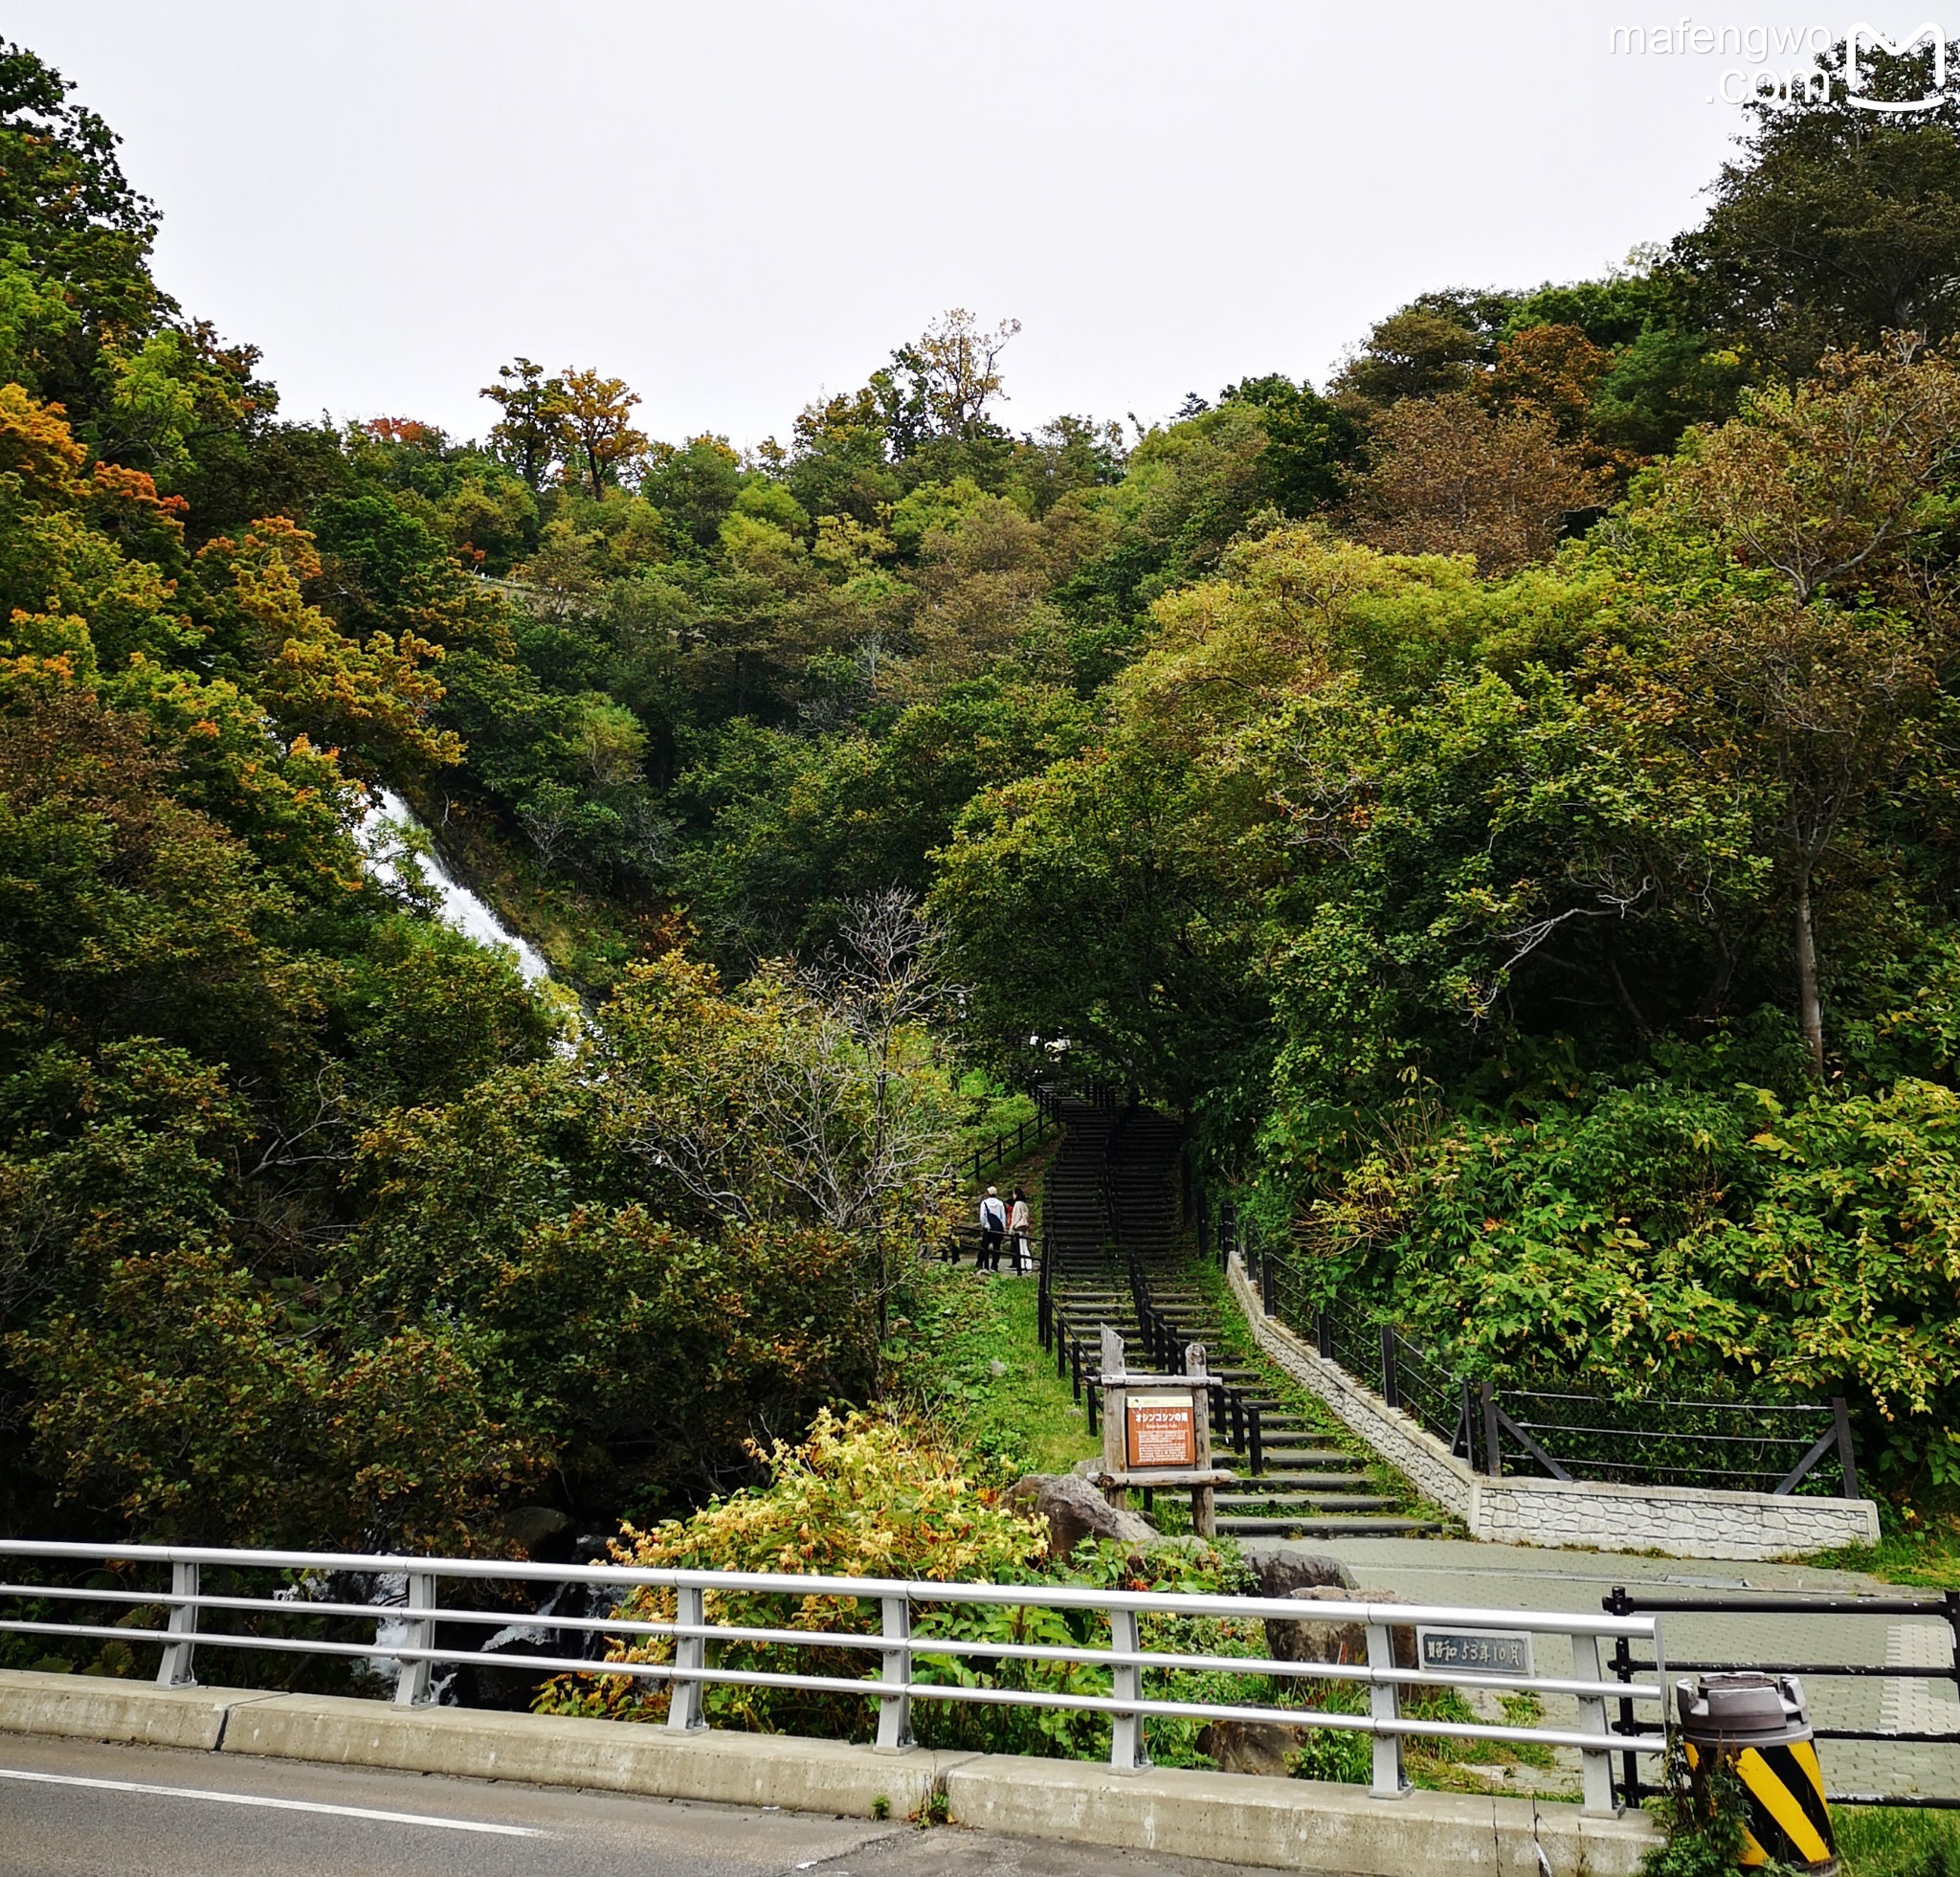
[1680, 1521]
[1290, 1824]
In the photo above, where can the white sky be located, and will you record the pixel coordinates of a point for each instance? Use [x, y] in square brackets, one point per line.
[735, 207]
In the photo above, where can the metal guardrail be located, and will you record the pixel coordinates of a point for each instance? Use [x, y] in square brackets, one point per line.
[962, 1245]
[892, 1604]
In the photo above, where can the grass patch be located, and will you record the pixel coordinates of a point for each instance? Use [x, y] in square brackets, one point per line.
[1884, 1841]
[1928, 1559]
[966, 1355]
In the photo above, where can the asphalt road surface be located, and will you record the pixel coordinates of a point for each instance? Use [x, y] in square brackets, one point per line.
[81, 1809]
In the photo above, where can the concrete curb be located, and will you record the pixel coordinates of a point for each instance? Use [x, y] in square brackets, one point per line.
[1291, 1823]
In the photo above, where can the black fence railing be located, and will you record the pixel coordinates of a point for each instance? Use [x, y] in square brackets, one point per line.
[1944, 1607]
[1007, 1147]
[1015, 1256]
[1077, 1362]
[1778, 1447]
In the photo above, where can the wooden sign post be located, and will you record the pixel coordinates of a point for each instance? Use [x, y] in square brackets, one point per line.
[1157, 1431]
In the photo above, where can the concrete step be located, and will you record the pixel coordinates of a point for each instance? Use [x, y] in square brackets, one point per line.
[1296, 1482]
[1289, 1504]
[1358, 1525]
[1296, 1456]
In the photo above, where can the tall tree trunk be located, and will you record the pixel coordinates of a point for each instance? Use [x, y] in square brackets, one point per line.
[1810, 1011]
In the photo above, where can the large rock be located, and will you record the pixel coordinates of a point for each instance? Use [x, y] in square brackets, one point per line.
[1075, 1511]
[1282, 1573]
[1262, 1746]
[1310, 1639]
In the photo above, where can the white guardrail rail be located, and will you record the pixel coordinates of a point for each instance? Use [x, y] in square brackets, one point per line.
[1488, 1643]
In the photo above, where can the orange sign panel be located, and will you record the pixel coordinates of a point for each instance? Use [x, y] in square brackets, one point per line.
[1160, 1430]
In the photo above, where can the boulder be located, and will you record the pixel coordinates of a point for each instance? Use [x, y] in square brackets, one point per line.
[1075, 1511]
[1261, 1747]
[1321, 1640]
[1282, 1573]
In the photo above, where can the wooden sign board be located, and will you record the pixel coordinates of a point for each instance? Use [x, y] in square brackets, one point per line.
[1160, 1429]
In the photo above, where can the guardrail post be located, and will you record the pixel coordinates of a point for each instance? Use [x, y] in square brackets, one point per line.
[1597, 1761]
[684, 1707]
[1618, 1605]
[1323, 1334]
[1385, 1704]
[412, 1689]
[177, 1668]
[1256, 1436]
[1391, 1392]
[1950, 1600]
[1269, 1285]
[1847, 1460]
[1492, 1454]
[895, 1710]
[1127, 1749]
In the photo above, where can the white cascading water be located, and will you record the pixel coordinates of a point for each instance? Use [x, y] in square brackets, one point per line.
[460, 908]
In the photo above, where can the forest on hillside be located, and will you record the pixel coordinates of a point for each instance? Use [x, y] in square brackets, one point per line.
[1502, 799]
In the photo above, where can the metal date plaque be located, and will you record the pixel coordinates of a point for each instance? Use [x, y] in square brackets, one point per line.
[1475, 1651]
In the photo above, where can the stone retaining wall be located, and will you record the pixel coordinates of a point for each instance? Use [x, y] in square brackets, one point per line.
[1680, 1521]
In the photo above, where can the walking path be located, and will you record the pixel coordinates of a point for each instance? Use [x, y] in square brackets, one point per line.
[1109, 1192]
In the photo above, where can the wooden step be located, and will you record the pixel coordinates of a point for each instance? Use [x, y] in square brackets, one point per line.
[1296, 1456]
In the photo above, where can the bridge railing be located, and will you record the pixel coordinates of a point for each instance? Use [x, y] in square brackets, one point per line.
[1488, 1649]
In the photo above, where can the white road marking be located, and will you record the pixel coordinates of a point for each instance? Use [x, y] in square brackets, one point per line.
[275, 1804]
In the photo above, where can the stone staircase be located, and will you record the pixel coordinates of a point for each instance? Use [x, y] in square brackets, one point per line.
[1111, 1191]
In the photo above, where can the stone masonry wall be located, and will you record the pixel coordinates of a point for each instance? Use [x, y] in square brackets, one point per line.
[1677, 1521]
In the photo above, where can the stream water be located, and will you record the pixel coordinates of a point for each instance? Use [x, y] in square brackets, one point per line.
[458, 906]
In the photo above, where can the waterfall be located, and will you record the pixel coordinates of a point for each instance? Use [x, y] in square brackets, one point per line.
[458, 906]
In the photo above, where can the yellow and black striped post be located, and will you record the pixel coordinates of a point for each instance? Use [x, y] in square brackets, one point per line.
[1788, 1818]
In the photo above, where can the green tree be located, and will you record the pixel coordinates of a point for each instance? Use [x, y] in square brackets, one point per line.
[1838, 223]
[534, 430]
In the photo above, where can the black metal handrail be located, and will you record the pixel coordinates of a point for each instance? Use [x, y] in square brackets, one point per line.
[1940, 1606]
[1562, 1434]
[1006, 1149]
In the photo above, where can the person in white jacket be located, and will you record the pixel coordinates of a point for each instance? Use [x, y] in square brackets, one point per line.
[993, 1230]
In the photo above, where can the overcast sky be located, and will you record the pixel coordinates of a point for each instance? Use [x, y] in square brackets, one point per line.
[736, 207]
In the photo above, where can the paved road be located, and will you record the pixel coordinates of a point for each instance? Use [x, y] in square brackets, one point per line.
[1524, 1577]
[81, 1809]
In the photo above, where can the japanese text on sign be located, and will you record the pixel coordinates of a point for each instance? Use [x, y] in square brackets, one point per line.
[1162, 1430]
[1485, 1651]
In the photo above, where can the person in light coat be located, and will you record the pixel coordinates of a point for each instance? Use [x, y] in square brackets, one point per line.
[1019, 1224]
